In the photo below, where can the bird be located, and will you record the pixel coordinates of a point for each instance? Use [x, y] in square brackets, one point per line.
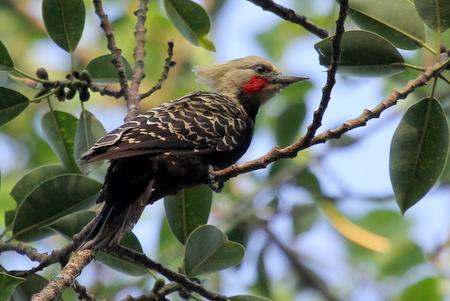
[179, 143]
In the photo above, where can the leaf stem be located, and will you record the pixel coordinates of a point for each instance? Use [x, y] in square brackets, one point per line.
[27, 75]
[38, 99]
[433, 89]
[429, 48]
[413, 67]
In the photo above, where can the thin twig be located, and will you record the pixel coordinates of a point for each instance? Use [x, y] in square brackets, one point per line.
[181, 279]
[291, 16]
[112, 46]
[139, 50]
[331, 73]
[105, 90]
[292, 150]
[66, 276]
[304, 273]
[169, 63]
[57, 255]
[23, 249]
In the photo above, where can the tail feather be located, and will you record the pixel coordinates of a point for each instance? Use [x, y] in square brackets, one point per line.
[111, 225]
[128, 187]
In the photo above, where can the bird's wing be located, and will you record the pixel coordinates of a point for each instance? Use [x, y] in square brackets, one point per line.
[197, 123]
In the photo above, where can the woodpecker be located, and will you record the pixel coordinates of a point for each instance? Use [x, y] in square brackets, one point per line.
[176, 145]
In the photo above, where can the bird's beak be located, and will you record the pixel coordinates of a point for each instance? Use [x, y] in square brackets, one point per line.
[287, 80]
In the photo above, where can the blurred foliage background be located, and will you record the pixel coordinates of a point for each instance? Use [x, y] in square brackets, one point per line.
[321, 226]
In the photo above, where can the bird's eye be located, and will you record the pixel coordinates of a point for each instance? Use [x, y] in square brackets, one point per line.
[261, 69]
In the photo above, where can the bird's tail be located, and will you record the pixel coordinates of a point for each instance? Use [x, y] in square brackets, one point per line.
[111, 224]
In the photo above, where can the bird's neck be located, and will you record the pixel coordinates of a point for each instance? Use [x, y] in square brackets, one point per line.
[251, 106]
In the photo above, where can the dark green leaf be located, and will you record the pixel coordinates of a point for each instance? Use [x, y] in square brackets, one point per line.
[6, 62]
[191, 20]
[288, 123]
[72, 224]
[59, 129]
[53, 199]
[101, 69]
[247, 298]
[435, 13]
[395, 20]
[187, 210]
[8, 284]
[32, 285]
[240, 232]
[208, 250]
[12, 104]
[89, 130]
[262, 284]
[304, 217]
[427, 289]
[418, 151]
[33, 179]
[307, 180]
[363, 54]
[123, 265]
[64, 21]
[9, 218]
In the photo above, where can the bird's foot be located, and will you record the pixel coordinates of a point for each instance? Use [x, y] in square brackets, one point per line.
[215, 186]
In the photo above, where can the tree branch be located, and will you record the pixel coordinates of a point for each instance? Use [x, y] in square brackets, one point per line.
[289, 15]
[169, 274]
[115, 51]
[331, 73]
[292, 150]
[23, 249]
[139, 51]
[66, 276]
[169, 63]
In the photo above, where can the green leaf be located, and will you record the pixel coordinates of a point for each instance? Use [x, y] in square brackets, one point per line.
[276, 39]
[32, 285]
[304, 216]
[123, 265]
[187, 210]
[435, 13]
[6, 62]
[89, 130]
[208, 250]
[247, 298]
[64, 21]
[427, 289]
[287, 124]
[54, 198]
[8, 284]
[191, 20]
[418, 151]
[101, 69]
[395, 263]
[363, 54]
[262, 284]
[395, 20]
[72, 224]
[33, 179]
[59, 130]
[12, 103]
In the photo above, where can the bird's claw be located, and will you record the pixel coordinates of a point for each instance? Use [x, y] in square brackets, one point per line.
[215, 186]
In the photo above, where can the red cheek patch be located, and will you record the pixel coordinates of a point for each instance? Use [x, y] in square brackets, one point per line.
[254, 85]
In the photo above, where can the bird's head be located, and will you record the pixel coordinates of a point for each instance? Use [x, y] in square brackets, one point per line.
[252, 78]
